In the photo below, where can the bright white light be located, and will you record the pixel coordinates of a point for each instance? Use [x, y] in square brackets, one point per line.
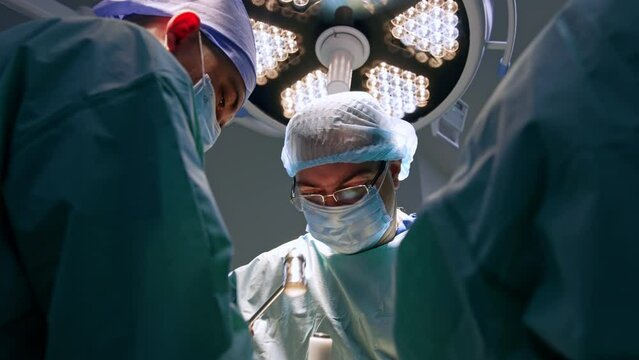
[429, 26]
[398, 91]
[273, 46]
[298, 3]
[299, 95]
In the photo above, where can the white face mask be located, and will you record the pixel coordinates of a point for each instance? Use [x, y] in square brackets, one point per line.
[349, 229]
[204, 98]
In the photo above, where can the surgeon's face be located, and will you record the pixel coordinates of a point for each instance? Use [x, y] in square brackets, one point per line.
[226, 79]
[326, 179]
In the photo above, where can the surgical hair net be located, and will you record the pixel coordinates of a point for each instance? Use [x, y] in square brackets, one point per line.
[224, 22]
[347, 128]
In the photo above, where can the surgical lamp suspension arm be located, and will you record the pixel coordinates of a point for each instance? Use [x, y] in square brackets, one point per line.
[342, 49]
[508, 45]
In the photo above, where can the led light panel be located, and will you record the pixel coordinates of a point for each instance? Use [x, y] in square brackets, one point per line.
[398, 91]
[429, 26]
[309, 88]
[273, 46]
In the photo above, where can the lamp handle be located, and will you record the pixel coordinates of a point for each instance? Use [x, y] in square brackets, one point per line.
[508, 45]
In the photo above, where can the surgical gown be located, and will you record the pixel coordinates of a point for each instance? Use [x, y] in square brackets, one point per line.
[349, 297]
[111, 245]
[531, 250]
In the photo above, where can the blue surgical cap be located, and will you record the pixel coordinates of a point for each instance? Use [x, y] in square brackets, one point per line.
[347, 128]
[224, 22]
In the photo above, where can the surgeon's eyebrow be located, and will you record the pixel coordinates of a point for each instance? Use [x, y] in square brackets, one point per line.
[304, 183]
[357, 174]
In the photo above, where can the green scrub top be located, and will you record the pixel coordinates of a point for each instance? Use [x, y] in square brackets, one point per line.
[111, 244]
[531, 250]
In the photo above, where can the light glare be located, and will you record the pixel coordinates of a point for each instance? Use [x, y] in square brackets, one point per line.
[429, 26]
[296, 97]
[398, 91]
[273, 45]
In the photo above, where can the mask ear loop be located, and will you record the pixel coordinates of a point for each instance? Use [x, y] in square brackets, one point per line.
[382, 176]
[199, 38]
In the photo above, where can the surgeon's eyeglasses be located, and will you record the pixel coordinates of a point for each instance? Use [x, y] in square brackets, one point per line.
[346, 196]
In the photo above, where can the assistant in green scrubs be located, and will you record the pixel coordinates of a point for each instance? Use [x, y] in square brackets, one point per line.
[530, 252]
[111, 245]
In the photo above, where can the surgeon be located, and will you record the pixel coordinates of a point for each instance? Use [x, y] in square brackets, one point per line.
[346, 157]
[530, 251]
[111, 245]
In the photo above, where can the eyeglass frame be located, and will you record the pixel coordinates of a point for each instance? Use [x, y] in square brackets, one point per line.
[367, 187]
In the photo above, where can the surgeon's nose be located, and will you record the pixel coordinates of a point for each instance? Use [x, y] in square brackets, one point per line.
[223, 113]
[330, 201]
[227, 106]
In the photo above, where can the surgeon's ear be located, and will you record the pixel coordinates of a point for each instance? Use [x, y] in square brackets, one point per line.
[180, 27]
[394, 167]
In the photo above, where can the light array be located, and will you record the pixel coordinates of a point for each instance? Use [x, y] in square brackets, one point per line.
[298, 3]
[398, 91]
[273, 45]
[429, 26]
[311, 87]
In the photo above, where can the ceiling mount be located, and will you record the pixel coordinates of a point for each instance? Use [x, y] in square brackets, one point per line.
[341, 49]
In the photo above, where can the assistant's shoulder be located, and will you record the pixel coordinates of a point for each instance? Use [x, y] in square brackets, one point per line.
[61, 34]
[59, 63]
[100, 49]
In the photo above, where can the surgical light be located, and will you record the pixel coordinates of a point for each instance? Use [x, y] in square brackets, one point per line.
[417, 57]
[300, 3]
[398, 91]
[296, 97]
[429, 26]
[296, 5]
[273, 46]
[441, 40]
